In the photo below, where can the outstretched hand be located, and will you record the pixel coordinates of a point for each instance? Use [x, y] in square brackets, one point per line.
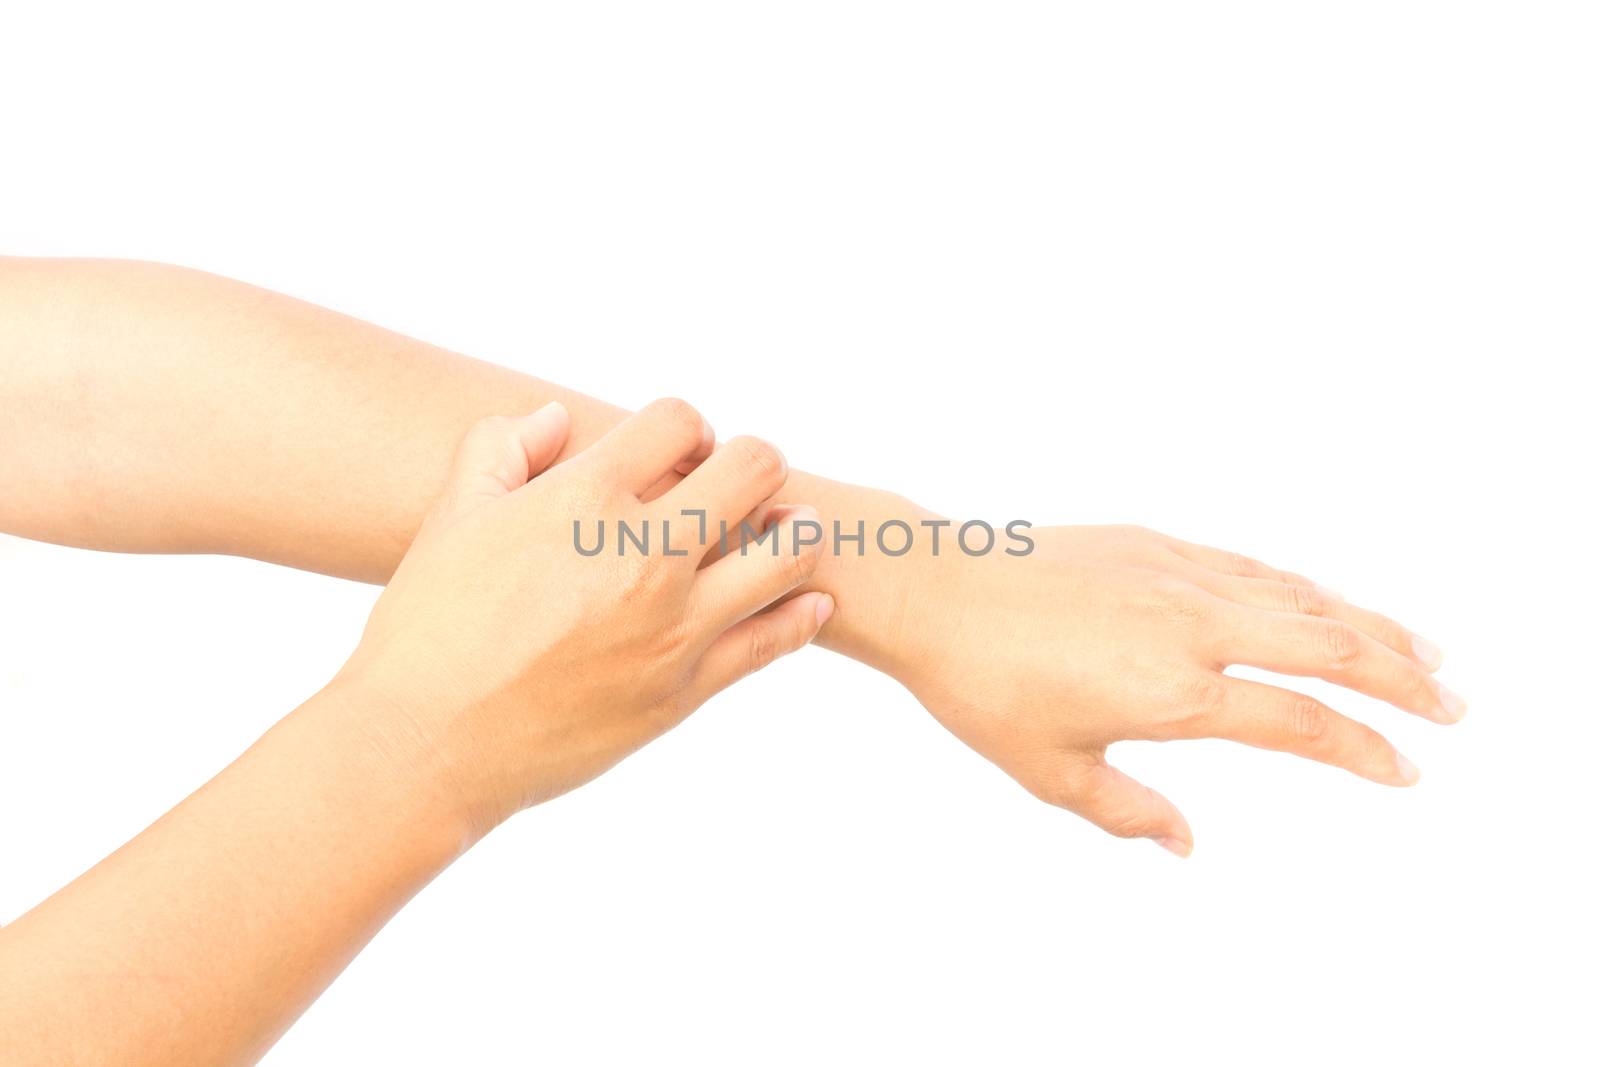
[1110, 633]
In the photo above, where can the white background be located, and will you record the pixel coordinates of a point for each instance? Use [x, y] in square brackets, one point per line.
[1314, 282]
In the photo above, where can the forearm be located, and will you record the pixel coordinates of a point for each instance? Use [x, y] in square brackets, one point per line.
[202, 939]
[151, 408]
[157, 409]
[493, 674]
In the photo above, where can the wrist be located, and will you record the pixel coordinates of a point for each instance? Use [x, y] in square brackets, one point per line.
[406, 762]
[883, 588]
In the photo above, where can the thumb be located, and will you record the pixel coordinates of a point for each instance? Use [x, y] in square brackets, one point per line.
[1123, 806]
[500, 455]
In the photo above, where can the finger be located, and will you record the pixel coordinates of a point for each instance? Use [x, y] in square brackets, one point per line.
[758, 640]
[730, 484]
[1235, 564]
[768, 513]
[1310, 600]
[1285, 721]
[1335, 651]
[707, 445]
[500, 455]
[1120, 805]
[753, 575]
[675, 475]
[645, 448]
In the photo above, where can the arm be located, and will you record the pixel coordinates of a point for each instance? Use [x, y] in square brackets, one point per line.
[204, 937]
[126, 380]
[485, 683]
[156, 409]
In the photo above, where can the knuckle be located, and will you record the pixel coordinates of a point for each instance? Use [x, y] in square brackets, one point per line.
[759, 458]
[1237, 563]
[1309, 721]
[1340, 644]
[1304, 600]
[678, 413]
[1177, 600]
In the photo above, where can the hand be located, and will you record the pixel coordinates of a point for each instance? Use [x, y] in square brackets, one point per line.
[1110, 633]
[517, 668]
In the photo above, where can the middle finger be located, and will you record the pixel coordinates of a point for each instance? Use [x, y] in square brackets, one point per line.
[1336, 651]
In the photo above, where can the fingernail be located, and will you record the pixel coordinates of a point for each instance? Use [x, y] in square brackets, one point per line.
[792, 513]
[1406, 770]
[1451, 705]
[776, 514]
[1175, 845]
[1331, 593]
[547, 411]
[1428, 654]
[824, 608]
[779, 514]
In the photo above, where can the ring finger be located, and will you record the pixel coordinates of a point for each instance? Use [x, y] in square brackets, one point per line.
[1266, 716]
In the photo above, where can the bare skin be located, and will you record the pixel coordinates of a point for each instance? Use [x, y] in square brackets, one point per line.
[159, 409]
[493, 674]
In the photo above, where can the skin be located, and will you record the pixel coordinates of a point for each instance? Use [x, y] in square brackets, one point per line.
[1157, 621]
[493, 674]
[1040, 662]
